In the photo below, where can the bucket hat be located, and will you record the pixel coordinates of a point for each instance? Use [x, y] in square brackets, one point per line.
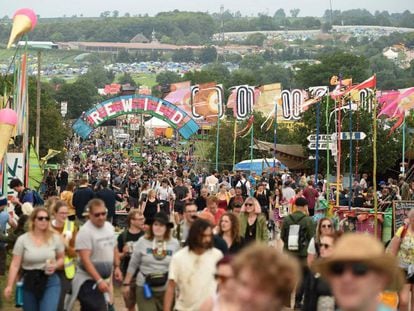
[358, 247]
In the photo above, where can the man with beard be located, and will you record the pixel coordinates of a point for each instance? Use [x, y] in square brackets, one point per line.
[192, 270]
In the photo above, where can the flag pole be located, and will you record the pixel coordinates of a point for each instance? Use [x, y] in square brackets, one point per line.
[338, 160]
[350, 156]
[327, 149]
[217, 140]
[317, 140]
[274, 140]
[374, 158]
[234, 142]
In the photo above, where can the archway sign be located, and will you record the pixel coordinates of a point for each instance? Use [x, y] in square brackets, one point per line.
[136, 104]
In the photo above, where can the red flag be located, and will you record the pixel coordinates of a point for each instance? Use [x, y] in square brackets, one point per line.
[368, 83]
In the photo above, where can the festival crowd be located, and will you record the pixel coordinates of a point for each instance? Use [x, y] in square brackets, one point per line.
[173, 237]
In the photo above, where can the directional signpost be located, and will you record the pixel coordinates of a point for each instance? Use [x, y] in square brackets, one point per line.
[322, 137]
[323, 145]
[349, 136]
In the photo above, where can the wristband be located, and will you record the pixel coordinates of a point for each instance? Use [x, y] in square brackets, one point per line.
[99, 281]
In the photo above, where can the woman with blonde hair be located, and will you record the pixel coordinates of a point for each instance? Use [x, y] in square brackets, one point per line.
[325, 226]
[223, 197]
[252, 223]
[67, 229]
[39, 252]
[151, 205]
[67, 196]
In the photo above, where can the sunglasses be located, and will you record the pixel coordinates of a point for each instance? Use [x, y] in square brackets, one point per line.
[43, 218]
[357, 268]
[326, 226]
[324, 245]
[248, 204]
[99, 214]
[222, 278]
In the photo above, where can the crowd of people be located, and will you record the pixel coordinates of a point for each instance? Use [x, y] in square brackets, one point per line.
[193, 240]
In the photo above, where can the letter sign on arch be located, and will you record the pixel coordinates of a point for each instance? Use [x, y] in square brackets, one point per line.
[136, 104]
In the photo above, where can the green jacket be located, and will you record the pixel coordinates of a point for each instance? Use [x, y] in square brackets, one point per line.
[309, 232]
[262, 233]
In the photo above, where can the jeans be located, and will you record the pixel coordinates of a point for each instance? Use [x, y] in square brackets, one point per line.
[50, 299]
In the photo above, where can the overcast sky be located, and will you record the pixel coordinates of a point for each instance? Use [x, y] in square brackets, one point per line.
[53, 8]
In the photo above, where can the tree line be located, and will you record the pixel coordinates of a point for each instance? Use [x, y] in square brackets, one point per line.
[194, 28]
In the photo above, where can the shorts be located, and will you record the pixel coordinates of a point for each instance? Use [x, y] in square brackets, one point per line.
[131, 299]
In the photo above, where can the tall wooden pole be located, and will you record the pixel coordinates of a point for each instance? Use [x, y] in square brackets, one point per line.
[38, 104]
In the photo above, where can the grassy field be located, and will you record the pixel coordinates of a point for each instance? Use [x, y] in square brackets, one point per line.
[145, 79]
[48, 56]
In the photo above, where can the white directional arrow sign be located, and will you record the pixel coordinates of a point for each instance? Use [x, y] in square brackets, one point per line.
[322, 145]
[347, 136]
[322, 137]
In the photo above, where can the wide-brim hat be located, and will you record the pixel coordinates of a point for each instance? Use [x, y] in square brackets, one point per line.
[358, 247]
[162, 218]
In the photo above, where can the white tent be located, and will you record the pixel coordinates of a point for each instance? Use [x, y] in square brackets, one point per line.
[156, 123]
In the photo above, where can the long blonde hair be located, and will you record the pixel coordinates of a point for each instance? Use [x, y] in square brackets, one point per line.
[49, 231]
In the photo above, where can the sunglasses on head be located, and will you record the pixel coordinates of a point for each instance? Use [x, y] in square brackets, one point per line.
[99, 214]
[43, 218]
[356, 268]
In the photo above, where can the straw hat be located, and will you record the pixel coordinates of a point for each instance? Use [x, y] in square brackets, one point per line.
[358, 247]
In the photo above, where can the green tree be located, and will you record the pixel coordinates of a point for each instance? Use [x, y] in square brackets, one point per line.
[80, 96]
[123, 57]
[279, 14]
[294, 12]
[126, 78]
[52, 130]
[167, 77]
[252, 62]
[386, 145]
[208, 55]
[255, 39]
[346, 64]
[98, 76]
[183, 55]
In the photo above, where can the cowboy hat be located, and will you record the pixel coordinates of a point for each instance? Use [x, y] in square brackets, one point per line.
[358, 247]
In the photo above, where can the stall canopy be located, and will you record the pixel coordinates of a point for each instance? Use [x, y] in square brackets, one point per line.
[260, 165]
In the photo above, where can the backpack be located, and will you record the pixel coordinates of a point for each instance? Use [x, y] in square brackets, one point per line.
[296, 239]
[243, 188]
[37, 199]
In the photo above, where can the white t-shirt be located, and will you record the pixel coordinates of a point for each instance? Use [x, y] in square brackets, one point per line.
[101, 241]
[194, 276]
[34, 256]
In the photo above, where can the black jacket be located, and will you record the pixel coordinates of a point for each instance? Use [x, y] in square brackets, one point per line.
[110, 198]
[81, 197]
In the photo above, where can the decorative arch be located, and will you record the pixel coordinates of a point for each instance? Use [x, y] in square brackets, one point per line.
[136, 104]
